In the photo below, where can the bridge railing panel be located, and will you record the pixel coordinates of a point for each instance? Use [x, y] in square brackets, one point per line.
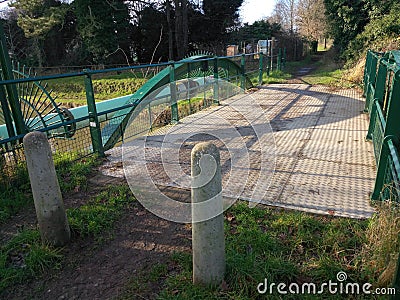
[382, 92]
[83, 130]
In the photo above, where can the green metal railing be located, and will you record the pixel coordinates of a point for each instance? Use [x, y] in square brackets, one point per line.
[382, 92]
[98, 126]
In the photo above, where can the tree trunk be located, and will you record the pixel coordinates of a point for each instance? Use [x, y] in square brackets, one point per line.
[185, 27]
[37, 51]
[178, 28]
[170, 32]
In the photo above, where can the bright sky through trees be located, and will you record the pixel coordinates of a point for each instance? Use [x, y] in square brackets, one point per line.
[254, 10]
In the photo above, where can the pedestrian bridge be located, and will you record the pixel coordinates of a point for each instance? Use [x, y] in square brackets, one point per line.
[322, 161]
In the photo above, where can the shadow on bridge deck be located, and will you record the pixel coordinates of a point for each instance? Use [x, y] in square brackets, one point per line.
[322, 163]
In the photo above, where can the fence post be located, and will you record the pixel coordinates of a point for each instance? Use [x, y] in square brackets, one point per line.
[279, 59]
[284, 58]
[6, 112]
[49, 206]
[7, 74]
[268, 65]
[216, 83]
[393, 108]
[369, 79]
[174, 101]
[261, 71]
[243, 72]
[189, 89]
[95, 131]
[381, 168]
[377, 96]
[272, 52]
[367, 72]
[208, 242]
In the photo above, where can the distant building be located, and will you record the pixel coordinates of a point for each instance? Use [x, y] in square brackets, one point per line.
[232, 50]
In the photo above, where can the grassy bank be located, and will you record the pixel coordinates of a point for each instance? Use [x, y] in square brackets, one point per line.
[280, 247]
[71, 91]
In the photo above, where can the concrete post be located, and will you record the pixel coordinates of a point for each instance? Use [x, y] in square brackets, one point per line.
[207, 216]
[50, 212]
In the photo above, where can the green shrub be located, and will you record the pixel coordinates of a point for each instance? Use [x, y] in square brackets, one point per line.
[376, 34]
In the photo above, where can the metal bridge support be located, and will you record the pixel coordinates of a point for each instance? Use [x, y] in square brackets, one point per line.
[261, 66]
[279, 60]
[174, 101]
[12, 93]
[382, 166]
[216, 84]
[95, 131]
[284, 59]
[243, 72]
[378, 95]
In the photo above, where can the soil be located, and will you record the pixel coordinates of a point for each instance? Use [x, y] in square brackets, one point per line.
[101, 270]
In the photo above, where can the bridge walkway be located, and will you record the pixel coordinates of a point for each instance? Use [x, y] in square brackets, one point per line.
[323, 164]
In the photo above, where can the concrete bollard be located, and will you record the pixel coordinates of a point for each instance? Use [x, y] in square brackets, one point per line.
[50, 212]
[208, 241]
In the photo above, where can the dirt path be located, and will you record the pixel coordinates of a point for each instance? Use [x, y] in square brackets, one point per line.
[298, 74]
[101, 270]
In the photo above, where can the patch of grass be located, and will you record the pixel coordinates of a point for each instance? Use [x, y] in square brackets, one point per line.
[146, 283]
[101, 213]
[381, 251]
[72, 90]
[16, 193]
[25, 257]
[331, 78]
[328, 71]
[73, 171]
[280, 246]
[276, 77]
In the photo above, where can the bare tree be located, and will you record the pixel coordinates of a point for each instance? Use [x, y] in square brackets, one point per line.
[285, 14]
[311, 19]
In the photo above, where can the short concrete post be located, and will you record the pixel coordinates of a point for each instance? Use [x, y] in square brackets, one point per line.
[208, 241]
[50, 212]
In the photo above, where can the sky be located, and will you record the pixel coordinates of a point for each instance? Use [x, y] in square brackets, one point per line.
[251, 10]
[255, 10]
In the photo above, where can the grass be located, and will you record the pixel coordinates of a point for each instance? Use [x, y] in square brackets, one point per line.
[25, 257]
[326, 71]
[277, 245]
[16, 192]
[71, 91]
[276, 77]
[101, 212]
[73, 171]
[382, 249]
